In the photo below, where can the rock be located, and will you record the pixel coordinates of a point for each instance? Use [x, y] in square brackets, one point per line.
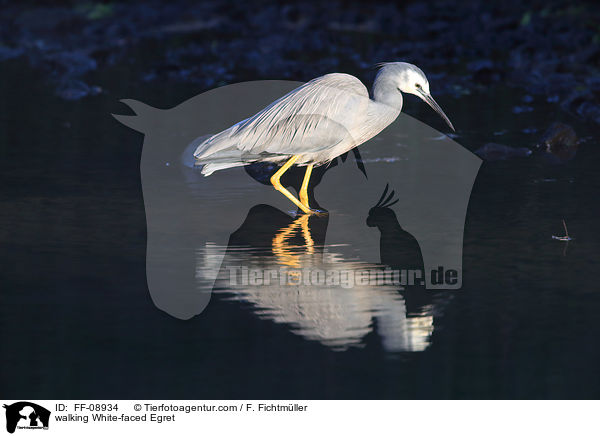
[589, 110]
[493, 152]
[76, 89]
[9, 53]
[558, 144]
[521, 109]
[71, 63]
[484, 71]
[527, 98]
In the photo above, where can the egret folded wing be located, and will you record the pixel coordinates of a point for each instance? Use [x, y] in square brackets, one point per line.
[314, 117]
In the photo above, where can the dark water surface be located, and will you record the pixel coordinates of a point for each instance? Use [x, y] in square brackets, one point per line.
[77, 320]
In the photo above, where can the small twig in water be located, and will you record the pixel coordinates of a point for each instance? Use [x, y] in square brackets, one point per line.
[563, 238]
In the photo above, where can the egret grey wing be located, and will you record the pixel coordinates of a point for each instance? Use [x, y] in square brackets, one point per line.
[327, 136]
[299, 122]
[314, 117]
[304, 133]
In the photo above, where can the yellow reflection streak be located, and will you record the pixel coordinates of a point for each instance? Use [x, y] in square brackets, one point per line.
[284, 251]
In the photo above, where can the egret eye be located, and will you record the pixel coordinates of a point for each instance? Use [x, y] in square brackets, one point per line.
[418, 85]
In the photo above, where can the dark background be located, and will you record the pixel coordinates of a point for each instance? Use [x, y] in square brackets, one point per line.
[76, 320]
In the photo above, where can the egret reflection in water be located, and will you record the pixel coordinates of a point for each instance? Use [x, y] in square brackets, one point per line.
[281, 266]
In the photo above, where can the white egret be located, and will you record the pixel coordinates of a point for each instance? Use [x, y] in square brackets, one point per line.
[315, 123]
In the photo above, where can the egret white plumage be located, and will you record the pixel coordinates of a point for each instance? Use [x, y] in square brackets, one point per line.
[315, 123]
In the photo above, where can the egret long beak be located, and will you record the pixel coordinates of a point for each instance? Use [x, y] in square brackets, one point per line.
[427, 98]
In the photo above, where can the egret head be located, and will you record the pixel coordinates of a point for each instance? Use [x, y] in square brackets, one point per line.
[409, 79]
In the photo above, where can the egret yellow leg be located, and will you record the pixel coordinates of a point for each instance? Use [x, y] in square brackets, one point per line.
[277, 184]
[304, 187]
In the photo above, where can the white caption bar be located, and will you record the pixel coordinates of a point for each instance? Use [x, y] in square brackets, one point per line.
[299, 417]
